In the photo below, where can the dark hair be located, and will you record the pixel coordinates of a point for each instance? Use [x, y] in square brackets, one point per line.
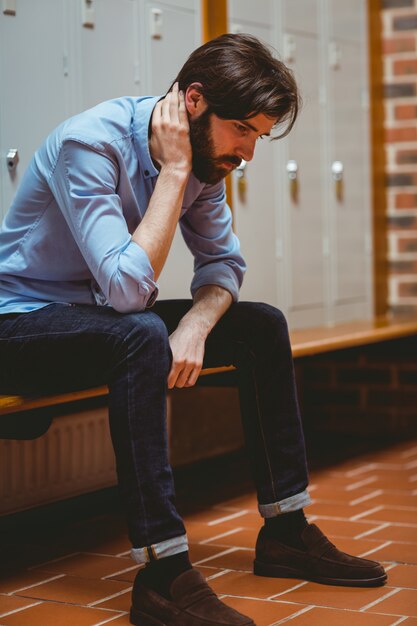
[241, 78]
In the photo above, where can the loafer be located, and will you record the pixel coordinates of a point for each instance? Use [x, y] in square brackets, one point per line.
[321, 562]
[193, 603]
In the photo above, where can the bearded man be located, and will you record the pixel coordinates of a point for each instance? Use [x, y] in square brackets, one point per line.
[82, 248]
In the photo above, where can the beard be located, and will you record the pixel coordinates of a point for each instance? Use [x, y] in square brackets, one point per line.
[206, 166]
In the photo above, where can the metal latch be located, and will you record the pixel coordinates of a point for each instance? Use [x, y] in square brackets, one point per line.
[12, 159]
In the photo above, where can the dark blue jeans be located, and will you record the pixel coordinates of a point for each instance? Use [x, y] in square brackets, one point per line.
[66, 347]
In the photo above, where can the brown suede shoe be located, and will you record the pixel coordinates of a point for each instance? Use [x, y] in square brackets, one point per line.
[193, 603]
[321, 562]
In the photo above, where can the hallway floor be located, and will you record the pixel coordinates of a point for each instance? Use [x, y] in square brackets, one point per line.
[367, 506]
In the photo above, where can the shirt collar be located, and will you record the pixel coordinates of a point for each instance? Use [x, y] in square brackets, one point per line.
[142, 118]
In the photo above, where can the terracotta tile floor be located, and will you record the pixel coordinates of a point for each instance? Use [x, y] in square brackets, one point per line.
[367, 505]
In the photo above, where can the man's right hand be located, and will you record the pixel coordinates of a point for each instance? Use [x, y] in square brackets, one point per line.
[170, 139]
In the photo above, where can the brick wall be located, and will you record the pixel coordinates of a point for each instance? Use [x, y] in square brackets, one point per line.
[369, 390]
[400, 78]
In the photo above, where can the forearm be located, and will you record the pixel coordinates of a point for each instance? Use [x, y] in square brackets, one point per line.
[210, 303]
[156, 230]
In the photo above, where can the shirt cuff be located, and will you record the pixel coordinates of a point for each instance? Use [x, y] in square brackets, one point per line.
[216, 274]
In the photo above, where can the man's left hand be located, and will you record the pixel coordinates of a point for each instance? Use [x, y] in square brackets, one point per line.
[187, 344]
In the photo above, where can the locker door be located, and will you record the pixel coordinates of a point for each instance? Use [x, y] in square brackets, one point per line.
[33, 83]
[108, 63]
[180, 34]
[304, 261]
[254, 209]
[349, 200]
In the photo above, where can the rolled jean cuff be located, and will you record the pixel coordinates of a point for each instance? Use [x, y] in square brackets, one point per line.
[160, 550]
[293, 503]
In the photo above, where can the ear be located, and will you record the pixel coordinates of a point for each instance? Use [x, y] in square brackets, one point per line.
[194, 100]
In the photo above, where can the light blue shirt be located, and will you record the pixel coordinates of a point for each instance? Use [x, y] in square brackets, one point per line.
[67, 236]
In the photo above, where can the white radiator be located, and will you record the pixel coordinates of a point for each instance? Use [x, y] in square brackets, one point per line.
[75, 456]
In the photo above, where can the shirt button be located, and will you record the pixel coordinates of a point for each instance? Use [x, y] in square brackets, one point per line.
[146, 172]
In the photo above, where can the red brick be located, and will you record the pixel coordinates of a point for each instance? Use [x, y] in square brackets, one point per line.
[405, 66]
[407, 289]
[407, 244]
[408, 133]
[406, 112]
[399, 44]
[406, 201]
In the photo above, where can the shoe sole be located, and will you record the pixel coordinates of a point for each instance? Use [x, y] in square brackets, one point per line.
[281, 571]
[139, 618]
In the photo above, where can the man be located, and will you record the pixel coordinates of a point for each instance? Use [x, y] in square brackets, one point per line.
[82, 247]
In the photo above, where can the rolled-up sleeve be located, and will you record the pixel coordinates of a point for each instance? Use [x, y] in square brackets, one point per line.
[84, 183]
[207, 231]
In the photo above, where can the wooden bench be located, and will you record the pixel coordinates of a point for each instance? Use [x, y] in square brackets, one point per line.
[308, 342]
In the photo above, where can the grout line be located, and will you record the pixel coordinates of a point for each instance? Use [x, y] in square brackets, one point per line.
[215, 556]
[372, 530]
[368, 496]
[290, 617]
[226, 518]
[409, 452]
[218, 574]
[375, 602]
[361, 470]
[60, 558]
[106, 621]
[312, 487]
[361, 483]
[226, 534]
[383, 545]
[354, 518]
[411, 464]
[413, 479]
[114, 595]
[22, 608]
[122, 571]
[276, 595]
[400, 621]
[42, 582]
[390, 566]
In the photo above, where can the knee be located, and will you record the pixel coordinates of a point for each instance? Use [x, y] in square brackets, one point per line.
[147, 333]
[266, 315]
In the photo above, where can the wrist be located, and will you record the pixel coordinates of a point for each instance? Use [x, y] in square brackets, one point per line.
[180, 172]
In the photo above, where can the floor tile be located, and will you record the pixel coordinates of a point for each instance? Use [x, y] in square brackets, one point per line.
[121, 602]
[403, 576]
[264, 613]
[396, 533]
[199, 552]
[335, 528]
[58, 615]
[245, 538]
[399, 552]
[88, 565]
[240, 560]
[392, 514]
[250, 586]
[75, 590]
[334, 617]
[396, 499]
[23, 579]
[336, 597]
[11, 603]
[336, 509]
[402, 603]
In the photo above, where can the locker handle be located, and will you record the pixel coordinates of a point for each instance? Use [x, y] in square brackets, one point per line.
[337, 173]
[292, 171]
[12, 159]
[241, 180]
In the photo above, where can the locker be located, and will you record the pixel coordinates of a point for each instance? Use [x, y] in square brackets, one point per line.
[106, 55]
[254, 206]
[34, 83]
[165, 55]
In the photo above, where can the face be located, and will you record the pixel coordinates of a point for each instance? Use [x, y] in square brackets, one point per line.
[220, 145]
